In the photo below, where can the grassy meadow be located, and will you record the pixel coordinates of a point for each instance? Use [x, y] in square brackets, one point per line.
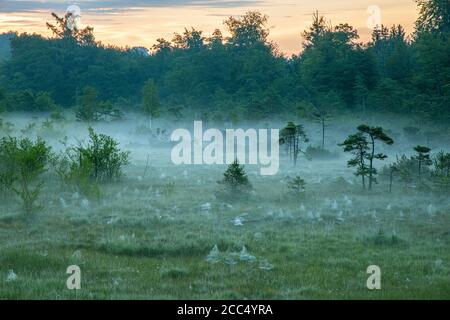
[153, 234]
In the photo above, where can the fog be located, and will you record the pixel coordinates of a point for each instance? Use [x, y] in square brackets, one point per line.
[162, 231]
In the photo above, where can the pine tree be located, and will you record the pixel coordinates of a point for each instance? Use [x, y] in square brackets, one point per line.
[291, 136]
[441, 173]
[357, 144]
[235, 175]
[66, 29]
[423, 158]
[374, 133]
[322, 116]
[235, 179]
[296, 185]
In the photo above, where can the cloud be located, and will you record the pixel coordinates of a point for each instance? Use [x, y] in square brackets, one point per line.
[105, 6]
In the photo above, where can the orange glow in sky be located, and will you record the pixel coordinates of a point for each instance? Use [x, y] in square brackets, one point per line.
[140, 23]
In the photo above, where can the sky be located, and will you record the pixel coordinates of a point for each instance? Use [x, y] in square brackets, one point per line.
[141, 22]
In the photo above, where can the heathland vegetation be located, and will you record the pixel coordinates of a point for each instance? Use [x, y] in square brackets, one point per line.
[86, 176]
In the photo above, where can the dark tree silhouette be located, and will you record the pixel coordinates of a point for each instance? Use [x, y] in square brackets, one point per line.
[292, 135]
[375, 134]
[66, 29]
[357, 144]
[423, 158]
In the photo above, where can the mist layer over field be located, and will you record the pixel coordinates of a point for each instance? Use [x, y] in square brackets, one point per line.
[161, 231]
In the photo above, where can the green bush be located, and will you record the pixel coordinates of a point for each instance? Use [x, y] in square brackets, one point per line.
[441, 172]
[101, 160]
[72, 175]
[22, 163]
[90, 108]
[86, 167]
[296, 185]
[168, 188]
[26, 100]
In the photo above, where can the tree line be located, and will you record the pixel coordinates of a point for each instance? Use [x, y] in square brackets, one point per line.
[243, 76]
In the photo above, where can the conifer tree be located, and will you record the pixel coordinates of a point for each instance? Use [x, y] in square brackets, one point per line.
[235, 180]
[375, 134]
[423, 158]
[357, 144]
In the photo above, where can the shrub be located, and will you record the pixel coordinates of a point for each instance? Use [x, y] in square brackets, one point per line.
[406, 170]
[101, 160]
[235, 181]
[44, 102]
[441, 172]
[22, 163]
[383, 240]
[70, 173]
[168, 188]
[26, 100]
[296, 185]
[90, 108]
[57, 114]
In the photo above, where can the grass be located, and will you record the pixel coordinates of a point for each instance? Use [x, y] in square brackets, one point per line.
[144, 240]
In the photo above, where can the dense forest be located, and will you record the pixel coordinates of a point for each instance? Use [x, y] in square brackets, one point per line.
[243, 76]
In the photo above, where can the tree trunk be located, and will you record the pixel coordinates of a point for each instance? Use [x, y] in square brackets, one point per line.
[362, 165]
[295, 151]
[371, 164]
[323, 134]
[391, 177]
[420, 171]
